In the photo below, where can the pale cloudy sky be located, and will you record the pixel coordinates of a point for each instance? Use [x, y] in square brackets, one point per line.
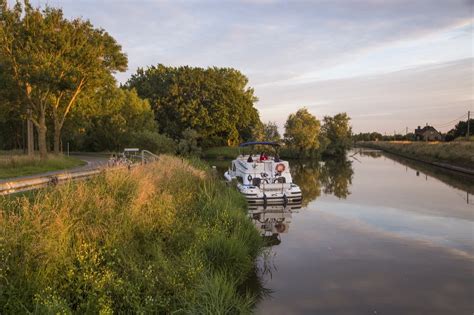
[389, 64]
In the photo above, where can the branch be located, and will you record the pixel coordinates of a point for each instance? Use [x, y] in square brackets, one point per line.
[73, 99]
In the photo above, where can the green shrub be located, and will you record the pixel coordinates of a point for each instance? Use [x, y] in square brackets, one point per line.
[152, 141]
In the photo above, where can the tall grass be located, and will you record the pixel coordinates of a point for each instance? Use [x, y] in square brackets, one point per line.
[12, 165]
[161, 238]
[459, 153]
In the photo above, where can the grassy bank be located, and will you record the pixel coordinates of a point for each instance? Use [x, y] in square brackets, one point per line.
[456, 153]
[162, 238]
[13, 165]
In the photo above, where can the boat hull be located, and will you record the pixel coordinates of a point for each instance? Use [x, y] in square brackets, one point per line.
[274, 195]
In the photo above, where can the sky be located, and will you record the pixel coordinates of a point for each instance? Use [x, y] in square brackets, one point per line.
[390, 65]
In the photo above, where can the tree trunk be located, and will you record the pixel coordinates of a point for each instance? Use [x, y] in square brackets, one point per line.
[57, 138]
[42, 128]
[42, 140]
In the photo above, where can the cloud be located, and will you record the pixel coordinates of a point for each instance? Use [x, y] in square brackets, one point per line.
[391, 101]
[280, 43]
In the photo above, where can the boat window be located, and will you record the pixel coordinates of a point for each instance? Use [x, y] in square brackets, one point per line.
[240, 179]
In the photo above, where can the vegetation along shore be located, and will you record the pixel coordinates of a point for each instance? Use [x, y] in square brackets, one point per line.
[458, 154]
[162, 238]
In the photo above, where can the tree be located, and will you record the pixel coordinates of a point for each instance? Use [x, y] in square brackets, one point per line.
[188, 145]
[338, 131]
[302, 131]
[110, 120]
[215, 102]
[270, 131]
[53, 61]
[460, 130]
[12, 122]
[368, 136]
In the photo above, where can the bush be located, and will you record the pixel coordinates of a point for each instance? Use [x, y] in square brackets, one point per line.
[152, 141]
[188, 145]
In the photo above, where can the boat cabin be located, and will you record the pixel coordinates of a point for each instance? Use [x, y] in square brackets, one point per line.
[252, 170]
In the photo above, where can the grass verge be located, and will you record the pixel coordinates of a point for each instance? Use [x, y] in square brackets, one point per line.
[23, 165]
[456, 153]
[166, 238]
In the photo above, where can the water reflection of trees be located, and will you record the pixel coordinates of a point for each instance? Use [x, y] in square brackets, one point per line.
[371, 153]
[330, 177]
[336, 177]
[454, 179]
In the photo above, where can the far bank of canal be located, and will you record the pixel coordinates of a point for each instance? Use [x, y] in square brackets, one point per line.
[377, 234]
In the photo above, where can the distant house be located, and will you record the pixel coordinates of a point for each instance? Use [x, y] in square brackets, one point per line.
[427, 133]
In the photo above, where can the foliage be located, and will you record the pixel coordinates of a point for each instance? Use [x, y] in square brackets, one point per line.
[13, 165]
[270, 132]
[112, 119]
[367, 136]
[215, 102]
[147, 240]
[217, 295]
[460, 130]
[53, 60]
[302, 131]
[151, 141]
[188, 145]
[223, 152]
[338, 133]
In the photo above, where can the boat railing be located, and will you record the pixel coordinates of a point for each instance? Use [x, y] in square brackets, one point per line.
[274, 187]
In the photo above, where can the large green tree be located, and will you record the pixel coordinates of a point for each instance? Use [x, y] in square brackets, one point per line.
[302, 131]
[214, 102]
[53, 61]
[338, 131]
[11, 119]
[112, 119]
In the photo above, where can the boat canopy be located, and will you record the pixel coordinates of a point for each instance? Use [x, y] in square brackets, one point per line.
[246, 144]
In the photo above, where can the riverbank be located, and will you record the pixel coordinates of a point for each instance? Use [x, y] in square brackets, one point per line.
[13, 164]
[161, 238]
[456, 155]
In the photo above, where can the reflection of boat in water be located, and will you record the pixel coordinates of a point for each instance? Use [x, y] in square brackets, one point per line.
[273, 220]
[262, 179]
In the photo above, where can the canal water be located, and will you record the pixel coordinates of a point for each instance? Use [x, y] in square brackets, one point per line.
[375, 234]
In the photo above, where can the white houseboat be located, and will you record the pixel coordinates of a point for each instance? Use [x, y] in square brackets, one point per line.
[263, 179]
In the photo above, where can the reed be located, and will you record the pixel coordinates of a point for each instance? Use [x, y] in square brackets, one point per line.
[165, 237]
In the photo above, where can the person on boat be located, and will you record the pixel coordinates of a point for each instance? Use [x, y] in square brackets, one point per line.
[250, 160]
[263, 156]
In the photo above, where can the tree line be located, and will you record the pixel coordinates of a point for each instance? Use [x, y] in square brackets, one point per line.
[58, 73]
[459, 131]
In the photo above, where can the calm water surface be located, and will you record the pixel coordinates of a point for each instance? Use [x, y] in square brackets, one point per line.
[375, 235]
